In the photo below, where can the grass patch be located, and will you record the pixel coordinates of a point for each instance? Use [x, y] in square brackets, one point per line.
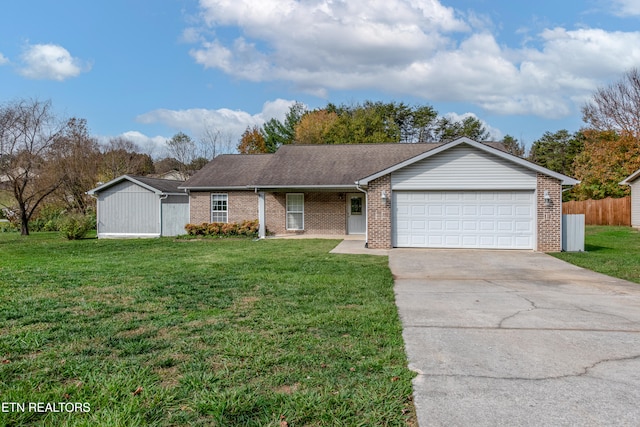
[213, 332]
[614, 251]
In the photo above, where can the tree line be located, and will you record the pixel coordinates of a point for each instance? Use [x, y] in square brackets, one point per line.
[367, 123]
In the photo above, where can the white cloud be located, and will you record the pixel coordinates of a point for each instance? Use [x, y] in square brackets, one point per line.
[196, 121]
[410, 47]
[626, 7]
[3, 59]
[50, 62]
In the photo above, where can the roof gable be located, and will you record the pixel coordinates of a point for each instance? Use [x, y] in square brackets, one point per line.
[155, 185]
[566, 180]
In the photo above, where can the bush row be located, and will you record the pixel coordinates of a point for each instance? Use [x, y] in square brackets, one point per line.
[71, 225]
[223, 229]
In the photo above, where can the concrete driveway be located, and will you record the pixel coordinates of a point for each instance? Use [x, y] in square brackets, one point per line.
[511, 338]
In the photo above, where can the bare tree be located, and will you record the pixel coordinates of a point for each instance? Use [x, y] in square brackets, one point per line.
[182, 148]
[28, 132]
[77, 156]
[121, 157]
[213, 142]
[617, 106]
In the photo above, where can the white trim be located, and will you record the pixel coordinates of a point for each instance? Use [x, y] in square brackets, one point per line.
[119, 180]
[286, 212]
[629, 180]
[566, 180]
[127, 235]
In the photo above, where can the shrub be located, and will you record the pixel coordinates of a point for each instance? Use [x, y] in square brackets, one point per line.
[47, 219]
[223, 229]
[7, 227]
[76, 226]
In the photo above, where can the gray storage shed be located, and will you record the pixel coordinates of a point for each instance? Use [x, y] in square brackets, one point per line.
[137, 206]
[633, 181]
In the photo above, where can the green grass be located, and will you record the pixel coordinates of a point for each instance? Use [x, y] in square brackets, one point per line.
[614, 251]
[215, 332]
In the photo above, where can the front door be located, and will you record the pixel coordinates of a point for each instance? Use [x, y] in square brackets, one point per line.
[356, 213]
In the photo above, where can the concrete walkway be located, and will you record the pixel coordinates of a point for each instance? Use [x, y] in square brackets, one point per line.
[510, 338]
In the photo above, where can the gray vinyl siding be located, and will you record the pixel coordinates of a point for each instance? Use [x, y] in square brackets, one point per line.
[128, 209]
[635, 203]
[463, 168]
[175, 215]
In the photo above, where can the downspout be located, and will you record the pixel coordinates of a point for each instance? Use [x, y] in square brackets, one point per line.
[366, 209]
[161, 197]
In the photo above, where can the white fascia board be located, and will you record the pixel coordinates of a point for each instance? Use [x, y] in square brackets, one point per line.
[629, 180]
[566, 180]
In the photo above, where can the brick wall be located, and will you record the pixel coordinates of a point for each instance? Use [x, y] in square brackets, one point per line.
[324, 213]
[242, 205]
[199, 207]
[379, 211]
[549, 217]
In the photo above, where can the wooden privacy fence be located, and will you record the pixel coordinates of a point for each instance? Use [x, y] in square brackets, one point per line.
[601, 212]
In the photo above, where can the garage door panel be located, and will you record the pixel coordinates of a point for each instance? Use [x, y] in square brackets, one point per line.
[464, 219]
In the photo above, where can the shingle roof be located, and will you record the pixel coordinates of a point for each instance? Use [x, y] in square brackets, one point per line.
[156, 184]
[163, 185]
[304, 165]
[230, 170]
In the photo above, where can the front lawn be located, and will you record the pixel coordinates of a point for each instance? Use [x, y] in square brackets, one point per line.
[614, 251]
[214, 332]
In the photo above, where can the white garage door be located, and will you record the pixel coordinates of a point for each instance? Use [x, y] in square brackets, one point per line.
[464, 219]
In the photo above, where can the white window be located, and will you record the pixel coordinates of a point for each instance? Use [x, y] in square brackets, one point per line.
[219, 207]
[295, 211]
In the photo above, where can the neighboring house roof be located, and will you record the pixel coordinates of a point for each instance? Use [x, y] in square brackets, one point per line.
[629, 180]
[173, 174]
[156, 185]
[329, 166]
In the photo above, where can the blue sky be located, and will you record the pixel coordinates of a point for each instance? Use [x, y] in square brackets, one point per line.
[146, 69]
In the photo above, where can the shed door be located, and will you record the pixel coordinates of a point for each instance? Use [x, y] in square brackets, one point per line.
[464, 219]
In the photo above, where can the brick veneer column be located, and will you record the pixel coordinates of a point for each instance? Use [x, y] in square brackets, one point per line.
[549, 217]
[379, 213]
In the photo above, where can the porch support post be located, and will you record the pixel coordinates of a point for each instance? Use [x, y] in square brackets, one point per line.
[262, 230]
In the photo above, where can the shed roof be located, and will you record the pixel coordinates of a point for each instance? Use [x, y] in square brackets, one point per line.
[157, 185]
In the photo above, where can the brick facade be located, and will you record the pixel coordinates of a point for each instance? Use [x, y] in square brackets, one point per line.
[549, 217]
[324, 213]
[379, 211]
[199, 207]
[242, 205]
